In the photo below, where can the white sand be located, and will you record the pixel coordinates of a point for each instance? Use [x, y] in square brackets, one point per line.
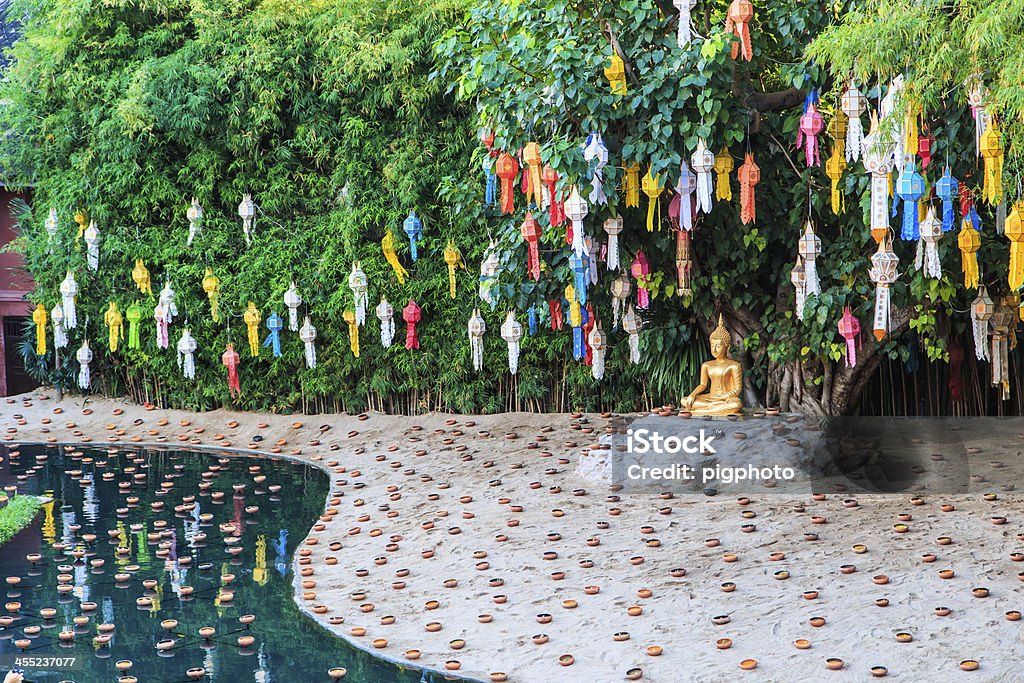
[766, 614]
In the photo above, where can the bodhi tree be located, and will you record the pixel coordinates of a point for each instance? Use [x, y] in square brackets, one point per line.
[545, 71]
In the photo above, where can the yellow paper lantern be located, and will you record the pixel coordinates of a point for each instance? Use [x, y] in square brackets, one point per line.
[252, 319]
[353, 332]
[211, 285]
[615, 72]
[969, 241]
[388, 246]
[140, 275]
[39, 318]
[724, 164]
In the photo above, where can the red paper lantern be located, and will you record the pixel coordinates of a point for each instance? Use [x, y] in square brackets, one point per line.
[411, 315]
[506, 168]
[531, 233]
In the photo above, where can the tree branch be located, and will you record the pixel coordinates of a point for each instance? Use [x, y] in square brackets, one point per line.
[773, 101]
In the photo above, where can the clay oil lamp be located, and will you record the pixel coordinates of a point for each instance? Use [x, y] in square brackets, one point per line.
[946, 574]
[730, 557]
[900, 528]
[944, 540]
[980, 592]
[634, 610]
[781, 575]
[928, 558]
[810, 536]
[721, 620]
[777, 557]
[645, 593]
[544, 618]
[540, 639]
[833, 664]
[653, 650]
[904, 637]
[620, 636]
[880, 579]
[810, 595]
[498, 677]
[882, 602]
[942, 611]
[457, 644]
[728, 587]
[802, 644]
[566, 660]
[859, 549]
[817, 622]
[748, 664]
[723, 643]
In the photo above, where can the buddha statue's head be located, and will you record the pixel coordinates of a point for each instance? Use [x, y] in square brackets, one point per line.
[720, 340]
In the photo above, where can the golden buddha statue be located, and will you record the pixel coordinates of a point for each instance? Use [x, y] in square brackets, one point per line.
[721, 379]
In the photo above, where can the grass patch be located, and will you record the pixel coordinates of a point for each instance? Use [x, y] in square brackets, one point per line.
[16, 515]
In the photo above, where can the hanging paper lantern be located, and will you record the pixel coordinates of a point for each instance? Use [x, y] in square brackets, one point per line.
[82, 219]
[652, 187]
[531, 319]
[598, 342]
[589, 320]
[275, 324]
[230, 359]
[512, 333]
[910, 129]
[115, 321]
[615, 72]
[750, 176]
[631, 185]
[489, 269]
[186, 354]
[927, 258]
[1002, 322]
[68, 291]
[84, 357]
[703, 162]
[593, 248]
[982, 310]
[39, 318]
[531, 155]
[60, 335]
[51, 229]
[194, 214]
[453, 259]
[837, 129]
[684, 32]
[684, 264]
[491, 182]
[621, 288]
[631, 324]
[1015, 232]
[387, 245]
[849, 329]
[887, 110]
[879, 162]
[686, 208]
[810, 248]
[977, 94]
[834, 168]
[798, 277]
[506, 168]
[737, 22]
[531, 232]
[360, 287]
[162, 331]
[884, 271]
[252, 319]
[576, 323]
[613, 228]
[555, 308]
[641, 270]
[576, 210]
[596, 151]
[307, 333]
[910, 188]
[579, 265]
[476, 328]
[353, 331]
[413, 227]
[992, 152]
[556, 213]
[386, 315]
[724, 165]
[92, 245]
[167, 299]
[946, 189]
[292, 300]
[969, 241]
[211, 285]
[924, 149]
[811, 125]
[853, 104]
[134, 316]
[141, 277]
[247, 211]
[411, 315]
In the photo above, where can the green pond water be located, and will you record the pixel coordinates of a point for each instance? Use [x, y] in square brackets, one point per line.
[268, 524]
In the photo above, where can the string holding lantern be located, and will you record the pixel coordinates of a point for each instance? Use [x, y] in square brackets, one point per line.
[738, 22]
[724, 165]
[849, 329]
[853, 104]
[307, 333]
[114, 320]
[750, 176]
[684, 264]
[620, 289]
[703, 162]
[92, 245]
[141, 277]
[1002, 322]
[613, 228]
[576, 210]
[910, 189]
[39, 318]
[927, 257]
[247, 211]
[684, 33]
[1015, 232]
[982, 309]
[969, 242]
[453, 259]
[476, 329]
[134, 317]
[631, 185]
[162, 328]
[187, 346]
[615, 72]
[595, 150]
[169, 301]
[531, 155]
[349, 317]
[512, 333]
[84, 357]
[52, 222]
[292, 300]
[879, 161]
[506, 169]
[598, 342]
[252, 319]
[834, 168]
[992, 152]
[489, 270]
[275, 324]
[946, 188]
[798, 277]
[884, 271]
[360, 286]
[576, 323]
[411, 315]
[60, 334]
[386, 315]
[387, 245]
[531, 232]
[631, 324]
[68, 292]
[211, 285]
[811, 125]
[194, 214]
[230, 359]
[809, 248]
[579, 263]
[641, 270]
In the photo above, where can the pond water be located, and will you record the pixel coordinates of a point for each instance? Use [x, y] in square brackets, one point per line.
[165, 522]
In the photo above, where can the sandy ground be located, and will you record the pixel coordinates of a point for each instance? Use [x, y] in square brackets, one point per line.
[402, 485]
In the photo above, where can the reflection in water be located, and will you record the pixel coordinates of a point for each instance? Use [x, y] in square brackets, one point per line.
[147, 547]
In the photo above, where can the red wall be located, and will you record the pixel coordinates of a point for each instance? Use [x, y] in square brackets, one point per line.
[14, 280]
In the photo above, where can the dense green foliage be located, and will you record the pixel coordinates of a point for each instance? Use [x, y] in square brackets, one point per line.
[17, 514]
